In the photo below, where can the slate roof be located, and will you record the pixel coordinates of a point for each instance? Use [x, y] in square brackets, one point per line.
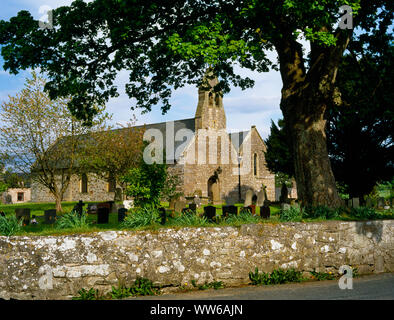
[236, 138]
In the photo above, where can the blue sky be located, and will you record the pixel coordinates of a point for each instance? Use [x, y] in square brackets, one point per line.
[256, 106]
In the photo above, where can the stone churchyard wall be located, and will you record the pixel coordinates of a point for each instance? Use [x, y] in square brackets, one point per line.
[56, 267]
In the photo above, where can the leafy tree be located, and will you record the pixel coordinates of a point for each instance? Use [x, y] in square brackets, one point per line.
[111, 153]
[360, 130]
[40, 137]
[278, 156]
[167, 44]
[145, 183]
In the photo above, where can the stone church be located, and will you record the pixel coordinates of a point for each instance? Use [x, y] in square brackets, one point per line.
[217, 165]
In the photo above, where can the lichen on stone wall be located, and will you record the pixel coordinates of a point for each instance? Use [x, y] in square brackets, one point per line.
[56, 267]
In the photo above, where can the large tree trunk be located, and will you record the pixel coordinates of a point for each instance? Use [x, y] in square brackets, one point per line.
[306, 127]
[305, 97]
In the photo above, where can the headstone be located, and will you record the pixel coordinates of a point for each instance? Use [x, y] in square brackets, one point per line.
[216, 194]
[355, 202]
[163, 215]
[193, 207]
[121, 214]
[92, 208]
[102, 215]
[50, 216]
[172, 204]
[24, 214]
[179, 205]
[253, 208]
[284, 193]
[128, 204]
[79, 207]
[368, 202]
[229, 210]
[210, 213]
[260, 198]
[118, 194]
[284, 206]
[380, 202]
[248, 198]
[265, 212]
[197, 201]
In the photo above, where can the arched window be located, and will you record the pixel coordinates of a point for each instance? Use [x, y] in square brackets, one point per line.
[84, 183]
[255, 164]
[111, 183]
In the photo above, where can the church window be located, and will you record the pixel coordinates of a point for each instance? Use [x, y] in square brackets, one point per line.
[84, 183]
[255, 164]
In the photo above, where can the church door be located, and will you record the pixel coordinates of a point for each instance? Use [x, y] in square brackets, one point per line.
[213, 190]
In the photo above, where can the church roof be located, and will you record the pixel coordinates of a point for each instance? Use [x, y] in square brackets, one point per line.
[237, 138]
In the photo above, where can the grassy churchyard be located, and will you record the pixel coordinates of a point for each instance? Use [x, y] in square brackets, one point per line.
[150, 219]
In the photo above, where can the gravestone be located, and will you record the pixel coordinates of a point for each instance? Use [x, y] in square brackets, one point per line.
[284, 206]
[128, 204]
[163, 215]
[368, 202]
[122, 214]
[380, 202]
[210, 213]
[79, 207]
[50, 216]
[284, 194]
[24, 214]
[197, 201]
[216, 194]
[179, 205]
[260, 198]
[248, 198]
[118, 194]
[229, 210]
[92, 208]
[265, 211]
[193, 207]
[355, 202]
[102, 215]
[252, 209]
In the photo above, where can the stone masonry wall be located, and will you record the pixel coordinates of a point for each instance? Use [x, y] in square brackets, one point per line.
[56, 267]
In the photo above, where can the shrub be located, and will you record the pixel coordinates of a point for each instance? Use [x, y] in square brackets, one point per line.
[10, 225]
[320, 276]
[245, 216]
[320, 212]
[72, 220]
[141, 217]
[291, 214]
[144, 287]
[91, 294]
[188, 219]
[277, 276]
[364, 213]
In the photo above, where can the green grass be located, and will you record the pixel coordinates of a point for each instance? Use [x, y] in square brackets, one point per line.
[176, 222]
